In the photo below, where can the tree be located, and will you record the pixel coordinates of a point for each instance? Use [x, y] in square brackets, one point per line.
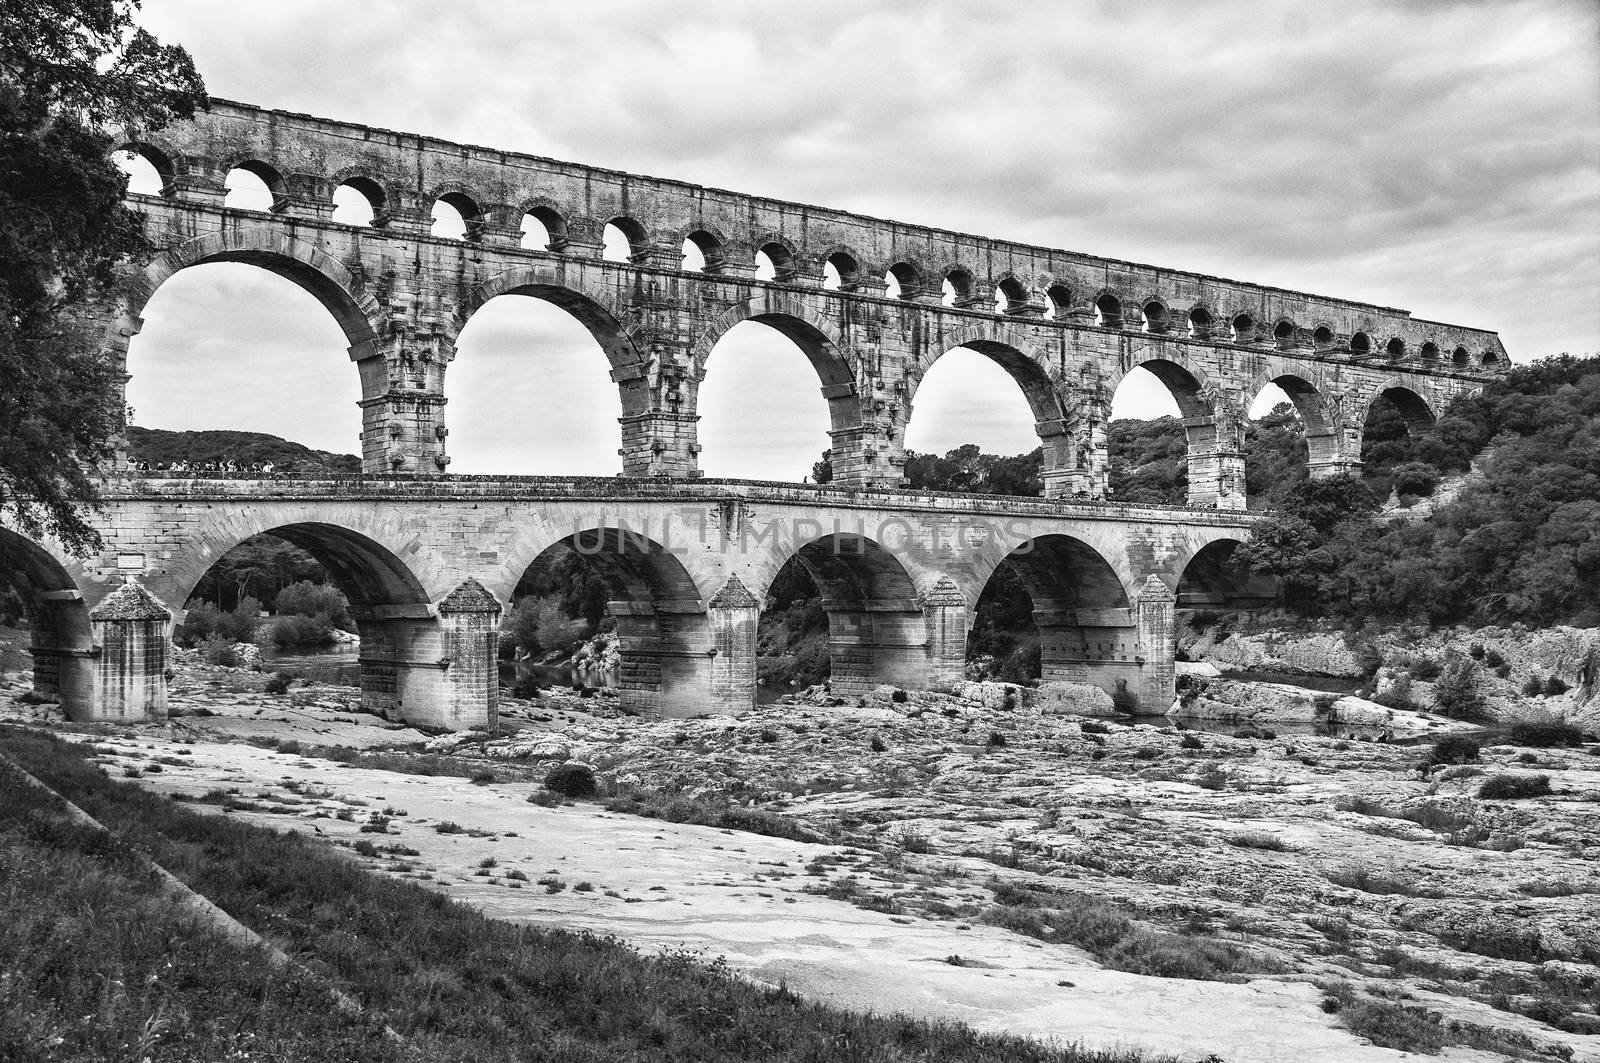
[76, 79]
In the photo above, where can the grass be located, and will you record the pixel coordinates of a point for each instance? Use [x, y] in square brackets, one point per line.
[1375, 882]
[712, 812]
[1514, 787]
[106, 967]
[1106, 931]
[1409, 1028]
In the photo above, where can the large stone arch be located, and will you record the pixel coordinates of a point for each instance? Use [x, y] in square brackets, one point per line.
[877, 629]
[1212, 422]
[1208, 580]
[1415, 405]
[60, 636]
[668, 646]
[1310, 395]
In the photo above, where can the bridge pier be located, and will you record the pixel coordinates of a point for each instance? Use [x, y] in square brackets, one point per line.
[130, 662]
[875, 642]
[945, 619]
[1216, 461]
[434, 669]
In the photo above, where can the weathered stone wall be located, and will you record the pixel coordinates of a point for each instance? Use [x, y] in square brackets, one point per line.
[1067, 326]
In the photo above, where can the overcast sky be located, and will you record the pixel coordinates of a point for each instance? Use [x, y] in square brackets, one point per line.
[1441, 157]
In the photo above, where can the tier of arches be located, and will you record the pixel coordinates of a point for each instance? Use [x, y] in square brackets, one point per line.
[427, 652]
[1333, 428]
[364, 197]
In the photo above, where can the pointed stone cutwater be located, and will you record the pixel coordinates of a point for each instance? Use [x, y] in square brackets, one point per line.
[944, 610]
[130, 633]
[469, 629]
[1153, 612]
[735, 616]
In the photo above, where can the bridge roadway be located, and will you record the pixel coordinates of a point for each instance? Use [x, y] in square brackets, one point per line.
[430, 563]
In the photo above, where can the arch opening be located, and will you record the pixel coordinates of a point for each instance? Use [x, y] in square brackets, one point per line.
[543, 229]
[255, 186]
[1200, 323]
[986, 419]
[775, 262]
[1055, 610]
[456, 217]
[840, 272]
[1285, 335]
[1058, 300]
[760, 417]
[1392, 437]
[1395, 349]
[1108, 311]
[359, 201]
[624, 240]
[1360, 343]
[871, 629]
[148, 171]
[1211, 582]
[621, 601]
[1010, 296]
[513, 354]
[702, 253]
[1244, 329]
[1288, 431]
[1156, 317]
[247, 317]
[902, 281]
[1159, 422]
[1322, 338]
[39, 597]
[956, 288]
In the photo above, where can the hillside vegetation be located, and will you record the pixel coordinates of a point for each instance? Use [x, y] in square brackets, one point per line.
[158, 446]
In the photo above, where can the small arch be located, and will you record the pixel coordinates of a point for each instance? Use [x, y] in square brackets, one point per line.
[1460, 356]
[702, 252]
[1058, 301]
[1244, 328]
[1322, 338]
[1490, 358]
[1156, 317]
[1430, 352]
[543, 228]
[840, 271]
[957, 287]
[149, 170]
[903, 281]
[253, 185]
[1010, 295]
[359, 200]
[1200, 323]
[625, 240]
[1108, 311]
[456, 216]
[775, 262]
[1395, 349]
[1284, 334]
[1360, 343]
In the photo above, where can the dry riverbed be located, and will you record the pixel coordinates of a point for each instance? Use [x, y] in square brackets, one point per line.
[1015, 870]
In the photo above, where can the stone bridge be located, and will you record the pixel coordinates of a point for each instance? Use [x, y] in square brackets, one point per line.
[427, 563]
[429, 560]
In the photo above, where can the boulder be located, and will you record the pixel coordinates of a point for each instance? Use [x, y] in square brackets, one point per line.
[248, 654]
[1071, 699]
[1223, 699]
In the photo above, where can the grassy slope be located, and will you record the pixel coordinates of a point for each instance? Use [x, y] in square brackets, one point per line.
[101, 966]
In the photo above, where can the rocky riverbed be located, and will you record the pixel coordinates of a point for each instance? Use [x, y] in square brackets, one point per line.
[980, 853]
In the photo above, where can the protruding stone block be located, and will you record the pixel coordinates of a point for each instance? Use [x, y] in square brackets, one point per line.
[469, 622]
[735, 615]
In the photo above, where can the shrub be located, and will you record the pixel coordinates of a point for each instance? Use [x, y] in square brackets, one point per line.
[1475, 651]
[1533, 687]
[296, 630]
[1426, 669]
[996, 738]
[1092, 727]
[1503, 671]
[1124, 700]
[1493, 658]
[217, 649]
[204, 620]
[898, 697]
[878, 745]
[1514, 787]
[1257, 840]
[1453, 749]
[571, 780]
[1398, 694]
[1190, 742]
[279, 683]
[1456, 693]
[313, 599]
[1554, 686]
[449, 827]
[1542, 734]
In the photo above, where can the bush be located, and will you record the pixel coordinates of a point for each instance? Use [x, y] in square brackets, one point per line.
[1503, 671]
[1514, 787]
[1542, 734]
[1190, 742]
[571, 780]
[313, 599]
[1554, 686]
[218, 649]
[878, 745]
[1398, 694]
[1124, 700]
[1416, 478]
[279, 683]
[296, 630]
[1456, 693]
[1534, 687]
[1493, 658]
[204, 620]
[1453, 749]
[1426, 669]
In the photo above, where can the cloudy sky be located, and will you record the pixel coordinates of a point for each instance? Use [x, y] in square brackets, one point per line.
[1442, 157]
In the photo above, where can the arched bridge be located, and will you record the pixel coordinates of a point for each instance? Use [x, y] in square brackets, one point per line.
[429, 559]
[427, 564]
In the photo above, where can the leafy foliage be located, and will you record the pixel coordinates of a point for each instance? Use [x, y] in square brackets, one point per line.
[69, 71]
[159, 446]
[966, 469]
